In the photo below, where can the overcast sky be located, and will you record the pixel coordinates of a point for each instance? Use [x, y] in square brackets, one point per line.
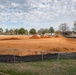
[37, 13]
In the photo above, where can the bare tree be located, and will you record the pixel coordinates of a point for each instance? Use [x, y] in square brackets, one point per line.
[74, 29]
[64, 27]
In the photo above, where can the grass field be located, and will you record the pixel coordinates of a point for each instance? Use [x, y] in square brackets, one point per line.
[48, 67]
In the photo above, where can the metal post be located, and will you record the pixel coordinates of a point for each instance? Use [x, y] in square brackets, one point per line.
[57, 66]
[42, 63]
[42, 56]
[14, 55]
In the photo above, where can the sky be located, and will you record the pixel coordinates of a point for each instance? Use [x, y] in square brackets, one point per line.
[37, 13]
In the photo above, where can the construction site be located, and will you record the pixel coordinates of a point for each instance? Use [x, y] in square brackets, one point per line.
[37, 55]
[35, 42]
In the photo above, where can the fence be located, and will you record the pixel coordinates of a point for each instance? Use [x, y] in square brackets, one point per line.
[35, 62]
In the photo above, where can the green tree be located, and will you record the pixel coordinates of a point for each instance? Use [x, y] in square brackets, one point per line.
[1, 30]
[57, 32]
[43, 31]
[51, 30]
[21, 31]
[26, 31]
[16, 31]
[32, 31]
[11, 31]
[6, 31]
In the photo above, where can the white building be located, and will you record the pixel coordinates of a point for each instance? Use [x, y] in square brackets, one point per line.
[50, 34]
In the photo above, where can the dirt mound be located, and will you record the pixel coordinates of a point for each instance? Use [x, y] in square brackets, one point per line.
[10, 39]
[35, 36]
[60, 36]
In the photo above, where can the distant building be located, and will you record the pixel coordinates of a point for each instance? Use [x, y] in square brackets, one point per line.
[69, 34]
[50, 34]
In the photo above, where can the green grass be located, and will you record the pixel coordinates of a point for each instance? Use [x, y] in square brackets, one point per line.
[12, 72]
[48, 67]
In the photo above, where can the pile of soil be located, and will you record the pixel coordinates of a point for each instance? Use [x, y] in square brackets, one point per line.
[10, 39]
[35, 36]
[60, 36]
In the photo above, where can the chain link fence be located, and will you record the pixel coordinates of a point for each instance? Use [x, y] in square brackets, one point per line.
[37, 62]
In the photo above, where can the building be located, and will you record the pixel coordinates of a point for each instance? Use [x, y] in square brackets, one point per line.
[50, 34]
[70, 34]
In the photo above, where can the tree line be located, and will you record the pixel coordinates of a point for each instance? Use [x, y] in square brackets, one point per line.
[22, 31]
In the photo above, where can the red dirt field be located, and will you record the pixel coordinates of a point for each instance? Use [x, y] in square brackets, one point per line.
[52, 44]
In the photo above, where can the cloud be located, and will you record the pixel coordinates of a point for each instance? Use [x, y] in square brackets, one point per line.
[15, 4]
[1, 6]
[36, 10]
[74, 0]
